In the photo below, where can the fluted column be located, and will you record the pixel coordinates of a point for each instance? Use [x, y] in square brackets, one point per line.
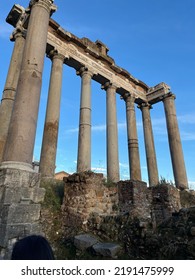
[111, 133]
[21, 135]
[133, 147]
[50, 135]
[8, 97]
[175, 145]
[149, 145]
[84, 141]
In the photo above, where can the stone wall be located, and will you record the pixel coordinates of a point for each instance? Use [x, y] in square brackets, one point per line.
[164, 200]
[87, 193]
[133, 199]
[90, 202]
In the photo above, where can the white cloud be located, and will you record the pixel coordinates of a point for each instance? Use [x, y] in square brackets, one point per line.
[98, 169]
[187, 136]
[187, 119]
[101, 127]
[5, 30]
[125, 176]
[144, 167]
[158, 121]
[158, 126]
[72, 130]
[122, 125]
[97, 128]
[124, 165]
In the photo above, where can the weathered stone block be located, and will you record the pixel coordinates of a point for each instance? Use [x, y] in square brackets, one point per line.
[84, 241]
[133, 199]
[15, 194]
[11, 177]
[107, 249]
[99, 192]
[20, 213]
[90, 195]
[164, 201]
[20, 195]
[13, 231]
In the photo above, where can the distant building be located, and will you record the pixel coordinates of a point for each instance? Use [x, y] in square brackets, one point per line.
[35, 165]
[60, 175]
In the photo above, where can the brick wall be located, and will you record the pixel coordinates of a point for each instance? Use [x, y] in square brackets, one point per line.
[87, 194]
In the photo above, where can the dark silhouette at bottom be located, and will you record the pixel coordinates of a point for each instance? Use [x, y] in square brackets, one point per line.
[33, 247]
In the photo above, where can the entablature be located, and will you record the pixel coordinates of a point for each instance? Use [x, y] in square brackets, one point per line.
[82, 52]
[156, 93]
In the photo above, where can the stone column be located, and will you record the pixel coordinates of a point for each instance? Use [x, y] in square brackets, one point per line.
[21, 135]
[149, 145]
[175, 146]
[10, 87]
[84, 141]
[50, 135]
[112, 133]
[133, 148]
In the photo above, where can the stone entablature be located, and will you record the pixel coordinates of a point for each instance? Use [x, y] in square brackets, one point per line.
[83, 52]
[94, 56]
[157, 93]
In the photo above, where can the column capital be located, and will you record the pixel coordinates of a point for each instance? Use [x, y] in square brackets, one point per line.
[55, 54]
[84, 70]
[145, 105]
[169, 95]
[47, 4]
[128, 97]
[109, 85]
[18, 32]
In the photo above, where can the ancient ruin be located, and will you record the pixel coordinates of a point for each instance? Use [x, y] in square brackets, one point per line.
[20, 193]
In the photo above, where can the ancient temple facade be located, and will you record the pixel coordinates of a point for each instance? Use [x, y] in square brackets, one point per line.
[20, 103]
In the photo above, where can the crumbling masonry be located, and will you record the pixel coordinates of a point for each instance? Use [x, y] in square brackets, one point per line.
[19, 111]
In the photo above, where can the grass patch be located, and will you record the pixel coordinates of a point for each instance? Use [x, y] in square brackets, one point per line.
[163, 181]
[54, 194]
[51, 215]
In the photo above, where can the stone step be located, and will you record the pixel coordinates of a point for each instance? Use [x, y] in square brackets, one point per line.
[84, 241]
[107, 249]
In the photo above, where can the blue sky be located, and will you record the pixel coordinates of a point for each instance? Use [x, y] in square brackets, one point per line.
[154, 41]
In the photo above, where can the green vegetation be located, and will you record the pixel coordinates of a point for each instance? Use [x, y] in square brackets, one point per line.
[187, 198]
[51, 215]
[54, 194]
[163, 181]
[109, 183]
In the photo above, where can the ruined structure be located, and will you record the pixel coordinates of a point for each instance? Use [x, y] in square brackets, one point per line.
[85, 205]
[19, 111]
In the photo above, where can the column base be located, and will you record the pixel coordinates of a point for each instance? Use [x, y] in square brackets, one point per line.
[47, 178]
[20, 198]
[17, 165]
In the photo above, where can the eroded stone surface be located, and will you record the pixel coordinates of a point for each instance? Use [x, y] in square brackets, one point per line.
[20, 197]
[88, 197]
[84, 241]
[107, 249]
